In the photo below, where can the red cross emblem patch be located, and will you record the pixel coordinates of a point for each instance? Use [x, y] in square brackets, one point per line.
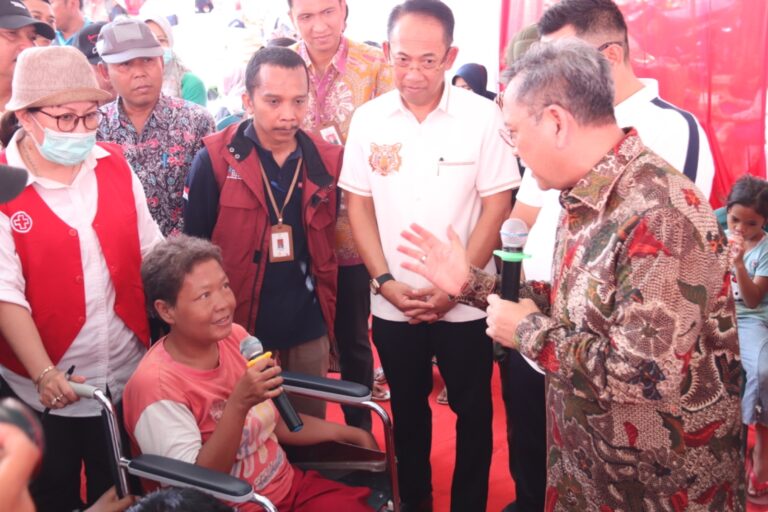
[21, 222]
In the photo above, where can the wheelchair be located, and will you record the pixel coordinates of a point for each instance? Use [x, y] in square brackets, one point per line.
[346, 463]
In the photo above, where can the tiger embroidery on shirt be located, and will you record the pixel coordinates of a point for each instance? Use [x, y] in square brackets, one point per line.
[385, 159]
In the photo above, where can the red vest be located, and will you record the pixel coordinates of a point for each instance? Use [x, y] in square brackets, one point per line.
[49, 251]
[243, 228]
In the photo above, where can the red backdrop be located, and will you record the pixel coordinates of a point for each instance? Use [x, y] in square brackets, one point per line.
[710, 58]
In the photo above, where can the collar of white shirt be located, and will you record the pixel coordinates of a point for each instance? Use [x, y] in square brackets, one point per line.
[13, 156]
[396, 104]
[639, 99]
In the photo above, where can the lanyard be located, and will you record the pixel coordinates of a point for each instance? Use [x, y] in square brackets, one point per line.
[279, 212]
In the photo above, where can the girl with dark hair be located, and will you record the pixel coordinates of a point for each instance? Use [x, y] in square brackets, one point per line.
[747, 216]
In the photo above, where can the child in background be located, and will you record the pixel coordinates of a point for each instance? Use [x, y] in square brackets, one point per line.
[747, 216]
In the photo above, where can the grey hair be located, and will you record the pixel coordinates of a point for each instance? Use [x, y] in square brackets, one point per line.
[568, 73]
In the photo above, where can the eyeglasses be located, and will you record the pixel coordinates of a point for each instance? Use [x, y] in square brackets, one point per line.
[68, 122]
[425, 63]
[509, 138]
[609, 43]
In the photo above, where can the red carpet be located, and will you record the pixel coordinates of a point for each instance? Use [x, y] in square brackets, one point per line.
[501, 488]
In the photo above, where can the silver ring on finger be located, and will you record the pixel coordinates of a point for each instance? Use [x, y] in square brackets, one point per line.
[423, 258]
[55, 400]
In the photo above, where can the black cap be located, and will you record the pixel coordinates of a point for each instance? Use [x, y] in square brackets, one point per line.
[14, 15]
[85, 41]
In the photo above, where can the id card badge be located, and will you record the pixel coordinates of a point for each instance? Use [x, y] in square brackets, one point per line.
[281, 243]
[331, 134]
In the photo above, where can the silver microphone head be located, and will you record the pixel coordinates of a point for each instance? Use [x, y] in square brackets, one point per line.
[514, 233]
[251, 347]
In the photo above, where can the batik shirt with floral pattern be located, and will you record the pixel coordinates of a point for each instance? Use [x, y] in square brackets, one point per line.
[638, 337]
[162, 154]
[357, 73]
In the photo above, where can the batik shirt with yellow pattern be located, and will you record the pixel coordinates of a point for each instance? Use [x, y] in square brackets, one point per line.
[357, 73]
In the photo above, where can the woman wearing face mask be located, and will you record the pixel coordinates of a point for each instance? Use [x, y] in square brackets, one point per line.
[178, 81]
[71, 298]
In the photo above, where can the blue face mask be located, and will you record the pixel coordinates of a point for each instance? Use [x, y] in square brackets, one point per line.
[167, 56]
[65, 148]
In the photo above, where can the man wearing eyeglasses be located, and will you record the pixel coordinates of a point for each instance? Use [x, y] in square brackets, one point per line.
[430, 153]
[637, 332]
[673, 134]
[18, 31]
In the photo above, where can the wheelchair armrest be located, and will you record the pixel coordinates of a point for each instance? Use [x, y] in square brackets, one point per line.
[183, 474]
[340, 391]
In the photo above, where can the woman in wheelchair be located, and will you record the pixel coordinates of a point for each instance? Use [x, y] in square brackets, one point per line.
[193, 398]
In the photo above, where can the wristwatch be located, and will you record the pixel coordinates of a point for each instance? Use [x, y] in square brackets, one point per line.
[376, 282]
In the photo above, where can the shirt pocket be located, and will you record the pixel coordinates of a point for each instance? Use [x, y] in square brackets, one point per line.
[237, 197]
[458, 167]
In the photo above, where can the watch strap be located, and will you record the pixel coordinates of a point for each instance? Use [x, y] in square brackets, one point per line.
[383, 278]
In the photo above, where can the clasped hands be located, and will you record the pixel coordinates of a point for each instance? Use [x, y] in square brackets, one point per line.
[446, 265]
[419, 305]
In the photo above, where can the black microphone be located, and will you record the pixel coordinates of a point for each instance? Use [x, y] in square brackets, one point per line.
[514, 233]
[12, 182]
[251, 349]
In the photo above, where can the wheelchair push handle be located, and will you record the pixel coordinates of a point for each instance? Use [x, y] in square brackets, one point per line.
[84, 390]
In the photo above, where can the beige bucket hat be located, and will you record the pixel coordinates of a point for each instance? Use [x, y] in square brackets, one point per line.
[53, 75]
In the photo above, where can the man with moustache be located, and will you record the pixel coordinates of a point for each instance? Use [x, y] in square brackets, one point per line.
[265, 192]
[159, 134]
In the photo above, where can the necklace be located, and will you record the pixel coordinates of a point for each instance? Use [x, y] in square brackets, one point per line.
[26, 154]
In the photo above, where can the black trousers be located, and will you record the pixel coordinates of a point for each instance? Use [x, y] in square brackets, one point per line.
[353, 305]
[522, 389]
[69, 443]
[465, 359]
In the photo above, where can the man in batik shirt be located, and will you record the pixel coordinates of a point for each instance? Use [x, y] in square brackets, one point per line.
[637, 331]
[343, 75]
[159, 134]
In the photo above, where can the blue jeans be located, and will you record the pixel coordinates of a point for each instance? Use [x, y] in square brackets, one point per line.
[753, 344]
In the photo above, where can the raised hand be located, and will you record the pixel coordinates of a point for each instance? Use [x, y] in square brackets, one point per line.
[444, 264]
[736, 248]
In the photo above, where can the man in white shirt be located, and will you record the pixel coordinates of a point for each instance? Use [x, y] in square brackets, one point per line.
[672, 133]
[429, 153]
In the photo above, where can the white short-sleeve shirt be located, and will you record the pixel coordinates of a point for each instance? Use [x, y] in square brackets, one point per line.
[674, 135]
[433, 173]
